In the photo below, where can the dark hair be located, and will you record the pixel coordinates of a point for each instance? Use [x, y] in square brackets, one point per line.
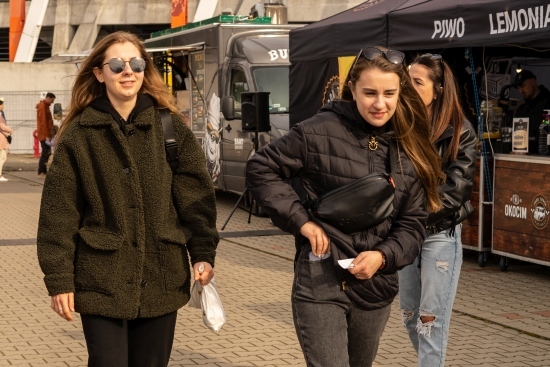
[410, 123]
[50, 95]
[1, 102]
[87, 88]
[446, 108]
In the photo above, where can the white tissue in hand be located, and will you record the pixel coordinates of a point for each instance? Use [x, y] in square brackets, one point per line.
[345, 263]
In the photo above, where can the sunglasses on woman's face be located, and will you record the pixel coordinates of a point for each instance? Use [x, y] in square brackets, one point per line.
[117, 65]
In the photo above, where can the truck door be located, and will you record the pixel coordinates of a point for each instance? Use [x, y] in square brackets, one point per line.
[236, 145]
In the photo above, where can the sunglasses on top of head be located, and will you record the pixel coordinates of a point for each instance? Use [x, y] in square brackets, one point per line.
[117, 65]
[393, 56]
[436, 57]
[433, 56]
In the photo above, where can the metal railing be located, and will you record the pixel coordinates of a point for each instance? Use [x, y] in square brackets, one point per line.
[20, 111]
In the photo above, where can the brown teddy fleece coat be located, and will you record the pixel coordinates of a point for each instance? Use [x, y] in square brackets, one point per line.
[116, 227]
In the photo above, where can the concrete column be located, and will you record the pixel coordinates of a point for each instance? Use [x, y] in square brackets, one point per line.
[63, 32]
[88, 29]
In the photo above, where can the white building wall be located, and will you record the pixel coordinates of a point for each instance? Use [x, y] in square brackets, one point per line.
[158, 11]
[23, 85]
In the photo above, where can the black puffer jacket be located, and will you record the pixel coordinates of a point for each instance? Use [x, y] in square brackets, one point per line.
[457, 189]
[325, 152]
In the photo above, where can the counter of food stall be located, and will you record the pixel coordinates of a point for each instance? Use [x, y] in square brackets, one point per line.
[521, 208]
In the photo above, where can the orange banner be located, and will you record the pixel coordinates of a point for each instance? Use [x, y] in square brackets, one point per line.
[179, 13]
[17, 22]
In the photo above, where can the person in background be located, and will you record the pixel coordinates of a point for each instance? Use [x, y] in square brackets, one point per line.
[5, 131]
[118, 228]
[44, 125]
[537, 99]
[340, 314]
[51, 143]
[427, 288]
[2, 114]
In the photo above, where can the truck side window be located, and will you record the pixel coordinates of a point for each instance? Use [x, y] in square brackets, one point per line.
[238, 85]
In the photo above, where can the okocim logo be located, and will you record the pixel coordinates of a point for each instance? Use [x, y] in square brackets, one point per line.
[540, 211]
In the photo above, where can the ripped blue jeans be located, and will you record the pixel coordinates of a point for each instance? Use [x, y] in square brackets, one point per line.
[430, 291]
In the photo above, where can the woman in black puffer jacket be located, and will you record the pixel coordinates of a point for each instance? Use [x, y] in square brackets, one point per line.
[340, 314]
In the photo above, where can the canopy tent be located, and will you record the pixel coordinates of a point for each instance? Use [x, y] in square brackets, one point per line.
[346, 32]
[320, 53]
[470, 23]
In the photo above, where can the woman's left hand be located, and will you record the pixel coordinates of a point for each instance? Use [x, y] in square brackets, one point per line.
[204, 276]
[366, 264]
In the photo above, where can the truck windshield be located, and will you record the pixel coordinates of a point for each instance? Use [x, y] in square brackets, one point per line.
[273, 79]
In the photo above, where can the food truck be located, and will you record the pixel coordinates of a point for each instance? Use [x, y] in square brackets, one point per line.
[209, 65]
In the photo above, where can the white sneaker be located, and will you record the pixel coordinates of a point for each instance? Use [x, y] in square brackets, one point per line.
[3, 179]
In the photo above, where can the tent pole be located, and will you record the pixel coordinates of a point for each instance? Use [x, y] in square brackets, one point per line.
[486, 172]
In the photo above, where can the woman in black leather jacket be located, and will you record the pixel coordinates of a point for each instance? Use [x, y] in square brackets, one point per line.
[427, 287]
[340, 314]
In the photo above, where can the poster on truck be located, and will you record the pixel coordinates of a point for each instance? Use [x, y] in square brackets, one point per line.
[198, 116]
[212, 138]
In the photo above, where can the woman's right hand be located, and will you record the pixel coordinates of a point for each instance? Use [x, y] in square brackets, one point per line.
[63, 305]
[320, 243]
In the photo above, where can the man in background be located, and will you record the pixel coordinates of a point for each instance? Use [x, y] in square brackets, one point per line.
[44, 128]
[537, 99]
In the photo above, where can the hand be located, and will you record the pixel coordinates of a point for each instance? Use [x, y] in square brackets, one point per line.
[366, 264]
[204, 275]
[63, 305]
[320, 243]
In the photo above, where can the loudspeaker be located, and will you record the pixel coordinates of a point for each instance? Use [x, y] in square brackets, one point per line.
[255, 111]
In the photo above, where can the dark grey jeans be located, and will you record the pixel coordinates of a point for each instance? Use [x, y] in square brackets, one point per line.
[332, 331]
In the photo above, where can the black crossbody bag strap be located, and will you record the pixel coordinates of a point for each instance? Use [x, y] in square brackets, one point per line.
[170, 143]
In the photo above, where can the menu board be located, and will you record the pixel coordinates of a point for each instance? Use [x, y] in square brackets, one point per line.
[520, 135]
[198, 109]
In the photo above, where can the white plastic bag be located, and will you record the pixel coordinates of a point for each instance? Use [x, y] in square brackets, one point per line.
[207, 298]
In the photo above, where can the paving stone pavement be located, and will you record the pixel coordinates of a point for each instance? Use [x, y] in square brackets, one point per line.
[499, 319]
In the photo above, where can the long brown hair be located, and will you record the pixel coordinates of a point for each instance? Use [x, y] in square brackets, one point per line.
[87, 88]
[410, 123]
[446, 108]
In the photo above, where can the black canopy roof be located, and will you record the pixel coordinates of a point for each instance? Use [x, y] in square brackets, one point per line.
[470, 23]
[424, 24]
[345, 33]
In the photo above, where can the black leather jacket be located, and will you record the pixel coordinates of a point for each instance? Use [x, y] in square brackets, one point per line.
[457, 189]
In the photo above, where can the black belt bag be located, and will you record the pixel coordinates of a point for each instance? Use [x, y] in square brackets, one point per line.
[361, 204]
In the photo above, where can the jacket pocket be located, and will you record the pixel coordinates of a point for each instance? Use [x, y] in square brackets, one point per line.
[96, 260]
[175, 261]
[373, 293]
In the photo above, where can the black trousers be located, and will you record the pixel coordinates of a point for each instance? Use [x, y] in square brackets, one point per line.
[129, 343]
[44, 155]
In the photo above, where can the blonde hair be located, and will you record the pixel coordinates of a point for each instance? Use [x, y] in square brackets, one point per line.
[410, 123]
[87, 88]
